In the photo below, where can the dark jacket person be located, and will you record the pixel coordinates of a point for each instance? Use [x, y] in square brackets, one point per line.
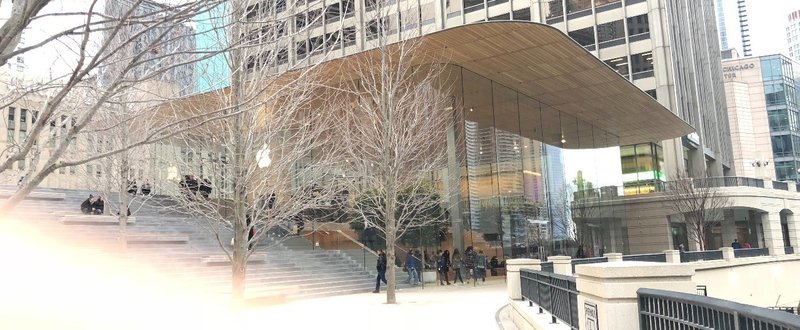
[381, 268]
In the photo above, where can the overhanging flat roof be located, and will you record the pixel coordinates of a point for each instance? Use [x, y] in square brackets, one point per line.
[543, 63]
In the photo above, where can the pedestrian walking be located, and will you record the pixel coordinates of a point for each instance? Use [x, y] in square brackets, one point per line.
[458, 263]
[480, 267]
[381, 267]
[441, 267]
[411, 267]
[469, 262]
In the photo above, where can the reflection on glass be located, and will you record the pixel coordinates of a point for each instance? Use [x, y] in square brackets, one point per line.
[554, 9]
[610, 31]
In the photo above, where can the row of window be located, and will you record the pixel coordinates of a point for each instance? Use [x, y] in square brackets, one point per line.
[613, 33]
[640, 66]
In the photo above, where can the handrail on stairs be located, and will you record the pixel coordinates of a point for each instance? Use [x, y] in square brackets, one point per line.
[357, 242]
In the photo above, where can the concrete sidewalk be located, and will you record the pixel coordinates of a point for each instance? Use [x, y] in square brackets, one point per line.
[434, 307]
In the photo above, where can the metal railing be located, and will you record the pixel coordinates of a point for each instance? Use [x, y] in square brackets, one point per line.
[701, 255]
[556, 294]
[667, 310]
[788, 250]
[651, 257]
[547, 266]
[584, 261]
[702, 290]
[747, 253]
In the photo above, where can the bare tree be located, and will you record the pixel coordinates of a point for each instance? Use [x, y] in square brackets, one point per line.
[394, 118]
[109, 54]
[699, 204]
[264, 166]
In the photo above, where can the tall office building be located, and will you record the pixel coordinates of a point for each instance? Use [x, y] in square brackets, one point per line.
[723, 30]
[744, 28]
[669, 49]
[167, 47]
[764, 116]
[793, 35]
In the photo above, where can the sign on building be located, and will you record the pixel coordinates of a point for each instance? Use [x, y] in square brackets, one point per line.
[591, 316]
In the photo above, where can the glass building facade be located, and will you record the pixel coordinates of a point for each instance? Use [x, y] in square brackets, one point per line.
[513, 186]
[778, 74]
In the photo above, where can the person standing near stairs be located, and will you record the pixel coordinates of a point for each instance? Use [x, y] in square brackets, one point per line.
[381, 267]
[480, 267]
[457, 262]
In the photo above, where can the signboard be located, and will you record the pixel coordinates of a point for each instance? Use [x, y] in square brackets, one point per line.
[591, 316]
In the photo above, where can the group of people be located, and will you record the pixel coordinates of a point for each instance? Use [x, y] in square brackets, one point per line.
[135, 189]
[472, 264]
[193, 187]
[93, 205]
[736, 245]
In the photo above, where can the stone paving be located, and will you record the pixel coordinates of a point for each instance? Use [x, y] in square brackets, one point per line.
[45, 286]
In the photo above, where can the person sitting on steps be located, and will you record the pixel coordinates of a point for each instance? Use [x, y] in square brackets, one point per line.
[86, 206]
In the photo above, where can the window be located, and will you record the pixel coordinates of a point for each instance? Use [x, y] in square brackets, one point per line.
[782, 146]
[300, 21]
[503, 17]
[578, 5]
[522, 15]
[774, 93]
[34, 117]
[771, 69]
[332, 13]
[600, 3]
[778, 120]
[283, 56]
[652, 93]
[252, 11]
[315, 17]
[638, 25]
[641, 63]
[620, 64]
[21, 164]
[301, 49]
[375, 29]
[611, 31]
[583, 37]
[349, 34]
[554, 9]
[280, 6]
[472, 5]
[348, 8]
[11, 118]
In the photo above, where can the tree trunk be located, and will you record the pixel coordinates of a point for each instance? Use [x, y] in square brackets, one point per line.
[123, 203]
[238, 267]
[391, 233]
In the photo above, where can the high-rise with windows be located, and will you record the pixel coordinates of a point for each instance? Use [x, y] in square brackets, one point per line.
[764, 116]
[793, 35]
[669, 49]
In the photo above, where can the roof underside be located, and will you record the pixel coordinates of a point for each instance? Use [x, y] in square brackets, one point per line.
[544, 64]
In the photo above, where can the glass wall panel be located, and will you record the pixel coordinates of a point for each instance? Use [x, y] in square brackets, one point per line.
[569, 131]
[481, 158]
[513, 206]
[598, 3]
[585, 135]
[774, 93]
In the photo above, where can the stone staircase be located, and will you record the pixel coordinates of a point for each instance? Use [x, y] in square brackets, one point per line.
[286, 265]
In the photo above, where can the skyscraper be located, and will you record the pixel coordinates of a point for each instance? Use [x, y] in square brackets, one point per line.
[669, 49]
[793, 35]
[166, 45]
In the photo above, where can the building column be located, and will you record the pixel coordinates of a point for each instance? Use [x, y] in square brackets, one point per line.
[513, 281]
[608, 290]
[772, 232]
[728, 227]
[562, 265]
[794, 231]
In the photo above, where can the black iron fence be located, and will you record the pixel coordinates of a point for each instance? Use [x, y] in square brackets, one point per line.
[652, 257]
[701, 255]
[747, 253]
[584, 261]
[556, 294]
[667, 310]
